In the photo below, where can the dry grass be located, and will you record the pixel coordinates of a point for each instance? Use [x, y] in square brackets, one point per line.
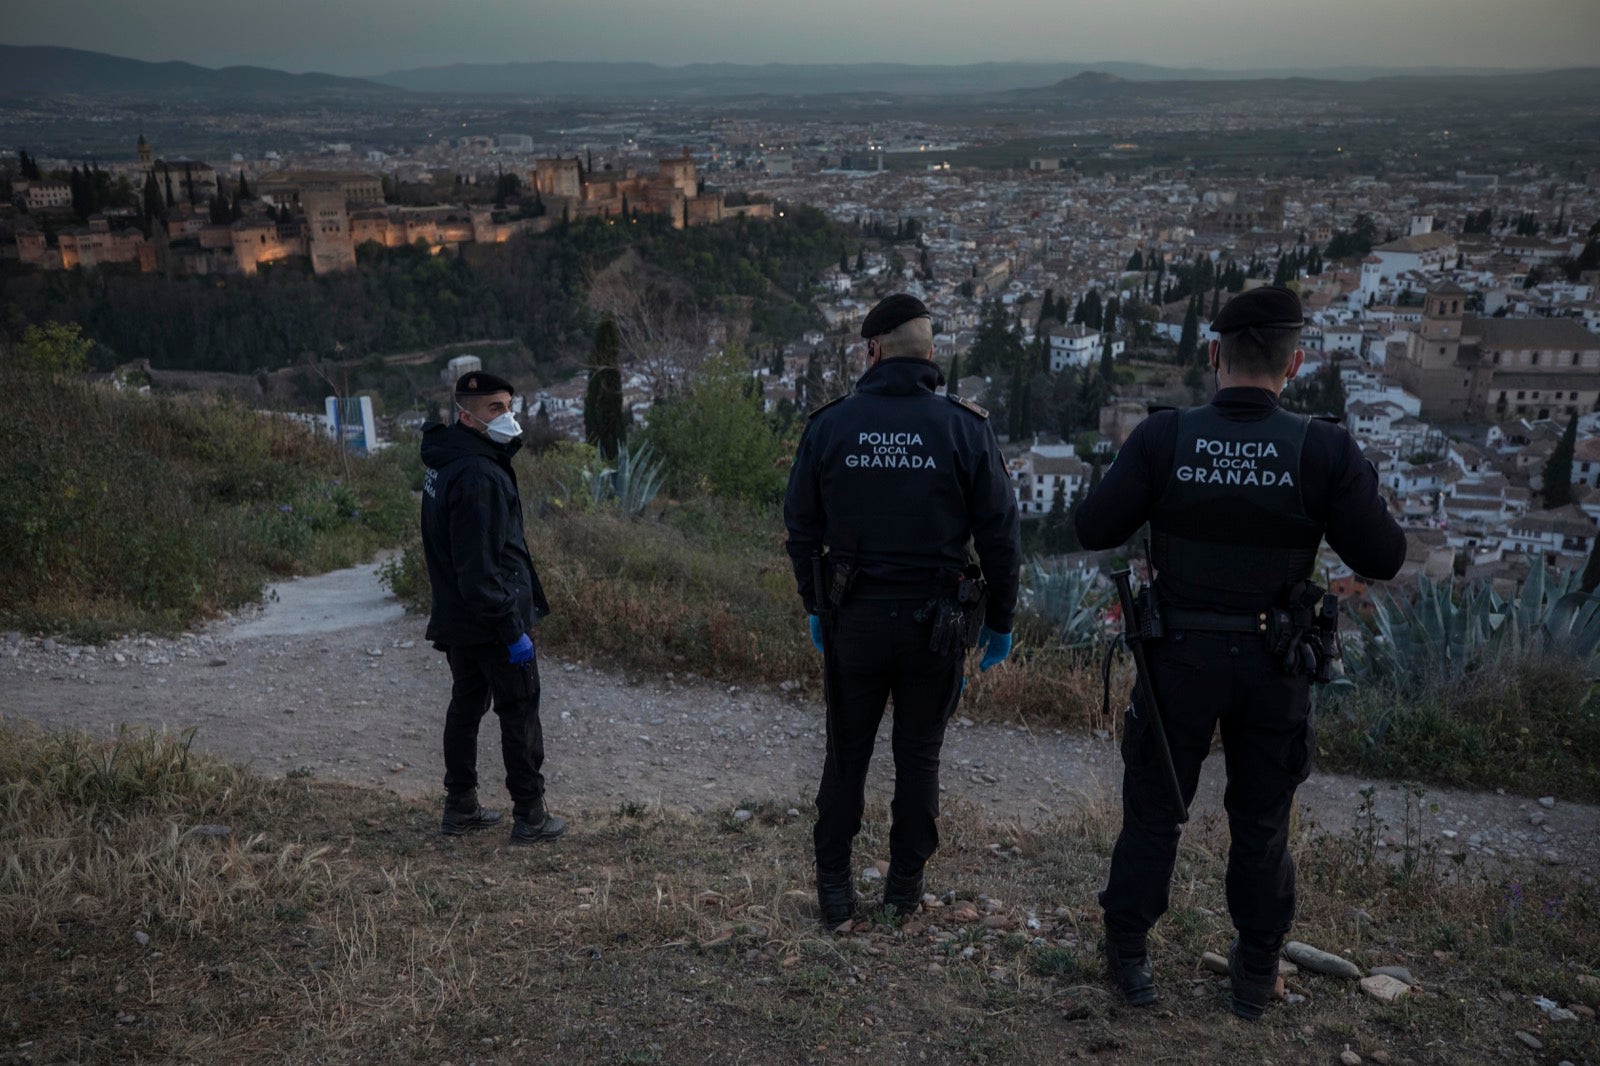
[332, 924]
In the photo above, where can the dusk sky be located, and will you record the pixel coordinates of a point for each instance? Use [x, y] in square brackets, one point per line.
[374, 36]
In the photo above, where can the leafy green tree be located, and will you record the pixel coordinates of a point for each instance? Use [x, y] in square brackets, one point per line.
[715, 437]
[602, 404]
[54, 348]
[1557, 489]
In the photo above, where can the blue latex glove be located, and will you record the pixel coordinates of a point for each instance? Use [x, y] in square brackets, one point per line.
[521, 651]
[996, 647]
[816, 632]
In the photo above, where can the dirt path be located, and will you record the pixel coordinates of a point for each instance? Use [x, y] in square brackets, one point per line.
[331, 676]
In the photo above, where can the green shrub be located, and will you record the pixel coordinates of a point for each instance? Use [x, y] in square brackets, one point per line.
[122, 511]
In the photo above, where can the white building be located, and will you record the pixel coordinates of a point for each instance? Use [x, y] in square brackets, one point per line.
[1078, 346]
[1042, 471]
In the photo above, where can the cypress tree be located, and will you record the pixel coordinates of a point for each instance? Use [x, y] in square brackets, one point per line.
[953, 382]
[1189, 339]
[244, 187]
[602, 405]
[1558, 469]
[1108, 367]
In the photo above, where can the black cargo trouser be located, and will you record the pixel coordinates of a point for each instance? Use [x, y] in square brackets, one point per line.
[1202, 680]
[481, 674]
[876, 649]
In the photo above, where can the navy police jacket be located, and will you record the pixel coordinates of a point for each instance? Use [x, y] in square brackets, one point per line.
[485, 589]
[1239, 495]
[898, 480]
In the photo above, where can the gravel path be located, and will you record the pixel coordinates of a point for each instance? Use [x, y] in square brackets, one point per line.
[333, 677]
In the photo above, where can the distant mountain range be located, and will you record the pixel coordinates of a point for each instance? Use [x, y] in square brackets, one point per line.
[71, 70]
[632, 80]
[45, 69]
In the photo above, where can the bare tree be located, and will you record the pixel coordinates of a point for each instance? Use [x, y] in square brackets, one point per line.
[664, 335]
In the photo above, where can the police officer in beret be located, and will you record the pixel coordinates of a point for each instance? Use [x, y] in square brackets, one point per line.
[1238, 495]
[889, 486]
[486, 599]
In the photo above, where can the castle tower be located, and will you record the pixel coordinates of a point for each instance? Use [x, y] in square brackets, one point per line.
[1440, 335]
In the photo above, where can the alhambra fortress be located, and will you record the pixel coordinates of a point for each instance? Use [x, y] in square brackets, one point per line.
[324, 216]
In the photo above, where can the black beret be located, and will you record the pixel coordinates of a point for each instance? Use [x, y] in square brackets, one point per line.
[891, 313]
[1269, 307]
[478, 383]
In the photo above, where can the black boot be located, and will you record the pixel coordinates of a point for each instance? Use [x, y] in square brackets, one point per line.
[1253, 977]
[1132, 973]
[902, 892]
[535, 824]
[463, 814]
[836, 896]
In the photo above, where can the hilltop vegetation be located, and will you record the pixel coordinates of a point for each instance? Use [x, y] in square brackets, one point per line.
[533, 289]
[121, 511]
[161, 905]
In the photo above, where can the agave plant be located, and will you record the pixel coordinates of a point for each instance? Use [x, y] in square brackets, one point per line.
[633, 481]
[1444, 634]
[1069, 600]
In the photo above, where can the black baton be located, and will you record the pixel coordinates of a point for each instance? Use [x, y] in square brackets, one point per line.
[1132, 636]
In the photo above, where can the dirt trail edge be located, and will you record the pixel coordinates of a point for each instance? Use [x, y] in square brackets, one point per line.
[331, 677]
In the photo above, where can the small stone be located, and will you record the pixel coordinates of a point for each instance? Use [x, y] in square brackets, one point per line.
[1381, 1057]
[1349, 1058]
[1547, 802]
[142, 937]
[213, 662]
[1384, 989]
[376, 653]
[1589, 981]
[793, 812]
[1561, 1014]
[1399, 973]
[125, 1018]
[968, 952]
[1582, 1010]
[997, 975]
[935, 968]
[1536, 818]
[1293, 999]
[1529, 1041]
[49, 645]
[742, 815]
[1287, 968]
[788, 686]
[997, 921]
[1215, 963]
[1318, 961]
[871, 873]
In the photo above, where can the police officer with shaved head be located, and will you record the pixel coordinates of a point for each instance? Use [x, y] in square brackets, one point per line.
[1238, 495]
[891, 487]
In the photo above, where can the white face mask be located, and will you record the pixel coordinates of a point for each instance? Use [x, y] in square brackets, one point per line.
[502, 429]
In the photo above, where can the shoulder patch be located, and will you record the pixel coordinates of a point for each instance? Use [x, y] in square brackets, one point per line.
[1335, 419]
[968, 405]
[1157, 408]
[824, 407]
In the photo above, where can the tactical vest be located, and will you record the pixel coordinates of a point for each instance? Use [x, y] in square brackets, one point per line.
[1231, 529]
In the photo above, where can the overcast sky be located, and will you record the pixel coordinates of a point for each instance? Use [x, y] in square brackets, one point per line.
[373, 36]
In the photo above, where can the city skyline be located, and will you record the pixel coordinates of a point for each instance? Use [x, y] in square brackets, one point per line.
[369, 38]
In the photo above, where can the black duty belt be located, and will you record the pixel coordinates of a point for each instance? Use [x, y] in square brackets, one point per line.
[1213, 621]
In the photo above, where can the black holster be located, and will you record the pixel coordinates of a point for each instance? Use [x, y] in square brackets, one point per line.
[958, 617]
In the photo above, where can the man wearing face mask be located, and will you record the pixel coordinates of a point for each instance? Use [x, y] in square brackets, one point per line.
[486, 600]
